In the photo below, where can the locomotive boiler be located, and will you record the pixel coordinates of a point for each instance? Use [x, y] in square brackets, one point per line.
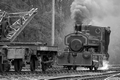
[86, 47]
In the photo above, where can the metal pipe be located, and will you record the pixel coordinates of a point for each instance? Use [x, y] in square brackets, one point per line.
[53, 22]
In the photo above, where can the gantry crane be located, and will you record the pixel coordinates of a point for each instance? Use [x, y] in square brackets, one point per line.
[15, 28]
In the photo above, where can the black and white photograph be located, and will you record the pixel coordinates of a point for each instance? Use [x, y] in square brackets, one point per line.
[59, 39]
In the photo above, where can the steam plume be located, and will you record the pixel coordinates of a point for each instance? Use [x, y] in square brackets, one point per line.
[86, 11]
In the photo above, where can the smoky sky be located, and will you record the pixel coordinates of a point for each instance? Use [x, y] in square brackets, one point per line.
[100, 13]
[85, 11]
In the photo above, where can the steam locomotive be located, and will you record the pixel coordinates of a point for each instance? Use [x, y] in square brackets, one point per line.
[86, 47]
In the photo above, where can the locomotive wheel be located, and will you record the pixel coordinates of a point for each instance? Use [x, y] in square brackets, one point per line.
[1, 68]
[18, 65]
[1, 65]
[6, 67]
[91, 68]
[64, 66]
[69, 67]
[95, 68]
[32, 64]
[74, 67]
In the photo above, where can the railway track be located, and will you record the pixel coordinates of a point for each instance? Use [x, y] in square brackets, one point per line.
[58, 73]
[93, 76]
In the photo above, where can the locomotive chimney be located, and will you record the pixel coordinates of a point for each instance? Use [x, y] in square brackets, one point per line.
[78, 27]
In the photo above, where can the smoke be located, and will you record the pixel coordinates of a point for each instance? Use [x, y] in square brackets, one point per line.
[100, 13]
[79, 12]
[105, 65]
[86, 11]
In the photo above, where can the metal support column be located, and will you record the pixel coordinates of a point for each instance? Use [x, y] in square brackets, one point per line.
[53, 22]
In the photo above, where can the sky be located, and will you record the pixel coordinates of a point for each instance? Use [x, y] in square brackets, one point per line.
[101, 13]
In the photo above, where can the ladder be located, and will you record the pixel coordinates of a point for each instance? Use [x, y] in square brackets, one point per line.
[20, 24]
